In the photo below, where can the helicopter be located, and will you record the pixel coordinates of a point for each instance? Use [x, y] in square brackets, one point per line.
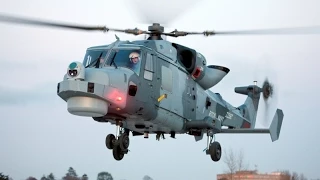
[167, 92]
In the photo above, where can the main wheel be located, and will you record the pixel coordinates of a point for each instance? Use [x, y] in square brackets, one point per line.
[124, 141]
[215, 151]
[117, 153]
[109, 139]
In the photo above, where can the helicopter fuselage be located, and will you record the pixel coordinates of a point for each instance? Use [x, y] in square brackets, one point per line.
[163, 96]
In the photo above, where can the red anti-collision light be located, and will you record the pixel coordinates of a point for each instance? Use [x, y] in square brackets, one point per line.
[119, 98]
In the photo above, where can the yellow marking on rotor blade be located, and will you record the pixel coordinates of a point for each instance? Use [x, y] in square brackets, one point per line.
[161, 97]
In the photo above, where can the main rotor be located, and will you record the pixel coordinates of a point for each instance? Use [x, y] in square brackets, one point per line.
[156, 30]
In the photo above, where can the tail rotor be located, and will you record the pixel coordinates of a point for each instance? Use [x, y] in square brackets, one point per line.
[269, 105]
[266, 76]
[267, 89]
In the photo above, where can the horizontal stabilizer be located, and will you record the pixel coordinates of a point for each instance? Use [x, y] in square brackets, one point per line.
[274, 129]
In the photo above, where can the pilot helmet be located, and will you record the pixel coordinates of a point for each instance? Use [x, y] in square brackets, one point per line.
[134, 55]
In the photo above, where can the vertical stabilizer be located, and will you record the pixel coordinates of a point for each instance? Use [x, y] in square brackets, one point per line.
[276, 124]
[250, 107]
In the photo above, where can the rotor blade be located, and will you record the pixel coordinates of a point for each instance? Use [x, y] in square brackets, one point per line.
[278, 31]
[19, 20]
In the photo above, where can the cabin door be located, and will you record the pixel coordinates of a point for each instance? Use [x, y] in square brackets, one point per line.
[165, 82]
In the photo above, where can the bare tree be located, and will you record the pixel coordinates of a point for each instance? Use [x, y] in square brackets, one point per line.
[302, 177]
[234, 161]
[240, 162]
[84, 177]
[294, 176]
[146, 177]
[43, 178]
[51, 177]
[285, 172]
[3, 177]
[230, 160]
[104, 176]
[70, 175]
[31, 178]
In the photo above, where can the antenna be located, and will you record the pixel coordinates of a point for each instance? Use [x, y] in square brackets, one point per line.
[117, 37]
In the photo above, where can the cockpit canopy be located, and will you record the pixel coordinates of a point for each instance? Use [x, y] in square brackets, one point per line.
[128, 58]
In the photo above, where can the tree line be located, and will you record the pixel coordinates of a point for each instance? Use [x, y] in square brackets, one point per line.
[70, 175]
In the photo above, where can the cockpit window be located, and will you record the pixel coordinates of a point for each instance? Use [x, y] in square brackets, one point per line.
[94, 58]
[127, 58]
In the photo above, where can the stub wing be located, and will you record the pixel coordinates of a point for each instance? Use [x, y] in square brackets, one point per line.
[274, 129]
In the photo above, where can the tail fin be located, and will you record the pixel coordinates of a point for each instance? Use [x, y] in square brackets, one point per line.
[250, 107]
[276, 124]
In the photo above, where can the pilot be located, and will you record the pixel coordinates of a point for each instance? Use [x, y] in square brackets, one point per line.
[135, 61]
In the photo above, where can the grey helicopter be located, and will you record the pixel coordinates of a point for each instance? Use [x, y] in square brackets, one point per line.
[154, 86]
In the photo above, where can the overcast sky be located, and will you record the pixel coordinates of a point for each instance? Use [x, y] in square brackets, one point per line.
[39, 136]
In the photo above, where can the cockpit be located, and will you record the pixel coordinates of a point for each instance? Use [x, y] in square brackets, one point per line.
[128, 58]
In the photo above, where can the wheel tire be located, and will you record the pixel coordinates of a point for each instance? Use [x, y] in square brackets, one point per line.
[109, 139]
[124, 141]
[215, 151]
[117, 153]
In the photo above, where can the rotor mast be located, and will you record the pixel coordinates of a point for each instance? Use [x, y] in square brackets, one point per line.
[155, 31]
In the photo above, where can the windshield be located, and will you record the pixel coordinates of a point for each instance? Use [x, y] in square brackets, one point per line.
[92, 56]
[127, 58]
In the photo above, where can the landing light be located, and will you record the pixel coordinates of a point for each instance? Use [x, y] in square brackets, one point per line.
[119, 98]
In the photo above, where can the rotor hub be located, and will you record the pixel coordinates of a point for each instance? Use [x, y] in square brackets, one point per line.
[267, 89]
[156, 27]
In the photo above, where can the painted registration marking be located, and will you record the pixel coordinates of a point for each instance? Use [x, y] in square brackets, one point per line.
[229, 115]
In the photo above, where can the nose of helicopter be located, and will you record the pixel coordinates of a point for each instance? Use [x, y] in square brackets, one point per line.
[89, 92]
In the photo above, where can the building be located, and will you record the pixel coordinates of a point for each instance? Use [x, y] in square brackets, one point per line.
[253, 175]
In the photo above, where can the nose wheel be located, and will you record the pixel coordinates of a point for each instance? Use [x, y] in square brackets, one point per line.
[110, 141]
[119, 144]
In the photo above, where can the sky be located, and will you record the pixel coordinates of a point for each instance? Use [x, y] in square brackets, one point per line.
[38, 135]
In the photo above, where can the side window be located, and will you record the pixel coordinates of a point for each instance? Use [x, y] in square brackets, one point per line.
[148, 69]
[166, 76]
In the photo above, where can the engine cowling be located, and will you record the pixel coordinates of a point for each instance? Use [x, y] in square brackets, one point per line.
[196, 65]
[209, 76]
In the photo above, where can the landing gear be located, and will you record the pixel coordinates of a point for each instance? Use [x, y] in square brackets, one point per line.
[110, 139]
[117, 153]
[124, 141]
[213, 148]
[215, 151]
[118, 143]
